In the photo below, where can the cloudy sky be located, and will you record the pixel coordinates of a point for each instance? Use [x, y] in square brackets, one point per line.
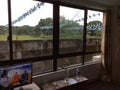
[19, 7]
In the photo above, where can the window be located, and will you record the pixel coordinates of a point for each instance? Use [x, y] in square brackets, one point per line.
[71, 30]
[94, 33]
[35, 26]
[4, 43]
[93, 57]
[69, 61]
[32, 28]
[42, 66]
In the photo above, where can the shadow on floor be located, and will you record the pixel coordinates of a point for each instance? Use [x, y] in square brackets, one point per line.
[99, 85]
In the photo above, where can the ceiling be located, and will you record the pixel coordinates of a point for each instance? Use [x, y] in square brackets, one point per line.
[107, 2]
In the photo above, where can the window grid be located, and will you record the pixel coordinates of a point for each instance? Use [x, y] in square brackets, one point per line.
[56, 54]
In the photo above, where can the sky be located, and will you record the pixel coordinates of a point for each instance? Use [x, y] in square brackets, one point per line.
[19, 8]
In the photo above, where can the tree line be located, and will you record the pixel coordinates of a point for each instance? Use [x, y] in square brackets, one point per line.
[45, 28]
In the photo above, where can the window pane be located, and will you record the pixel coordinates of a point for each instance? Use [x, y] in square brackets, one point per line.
[69, 61]
[71, 29]
[4, 44]
[94, 31]
[42, 66]
[32, 27]
[93, 57]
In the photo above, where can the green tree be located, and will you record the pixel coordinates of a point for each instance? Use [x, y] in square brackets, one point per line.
[95, 32]
[66, 23]
[2, 30]
[23, 30]
[69, 28]
[98, 33]
[39, 30]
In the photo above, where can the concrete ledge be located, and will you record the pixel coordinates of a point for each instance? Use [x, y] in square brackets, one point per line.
[89, 70]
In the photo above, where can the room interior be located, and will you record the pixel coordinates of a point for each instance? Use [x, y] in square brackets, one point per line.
[111, 52]
[106, 69]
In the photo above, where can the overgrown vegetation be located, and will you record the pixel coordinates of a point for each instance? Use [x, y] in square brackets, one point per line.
[69, 29]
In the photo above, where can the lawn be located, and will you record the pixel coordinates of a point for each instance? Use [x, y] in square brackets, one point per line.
[24, 37]
[49, 37]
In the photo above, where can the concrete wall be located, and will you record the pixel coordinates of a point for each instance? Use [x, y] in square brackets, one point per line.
[36, 48]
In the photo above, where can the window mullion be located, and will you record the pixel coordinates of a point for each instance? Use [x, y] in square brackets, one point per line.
[10, 30]
[84, 34]
[55, 34]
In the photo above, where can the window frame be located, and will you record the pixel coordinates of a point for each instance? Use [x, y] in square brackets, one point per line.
[55, 55]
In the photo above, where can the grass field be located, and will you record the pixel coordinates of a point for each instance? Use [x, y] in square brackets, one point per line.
[28, 37]
[24, 37]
